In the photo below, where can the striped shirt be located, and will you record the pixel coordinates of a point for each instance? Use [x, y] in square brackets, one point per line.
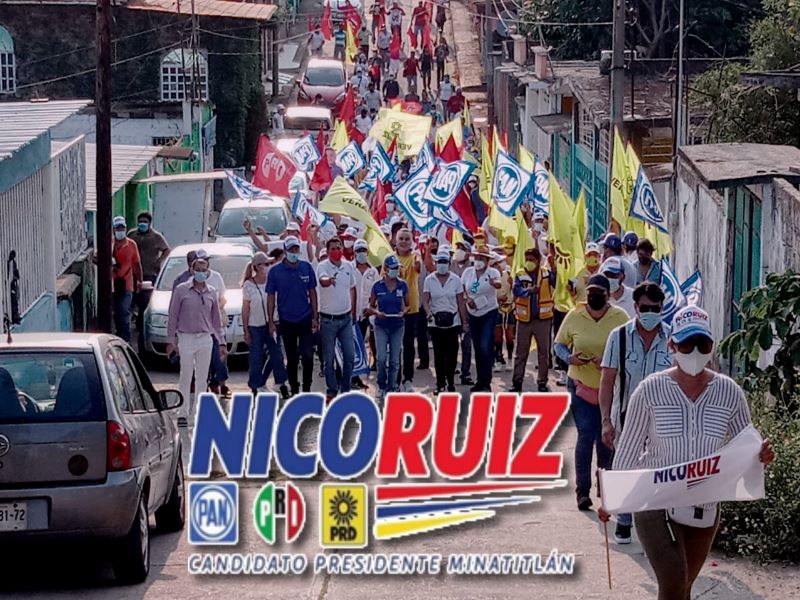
[664, 427]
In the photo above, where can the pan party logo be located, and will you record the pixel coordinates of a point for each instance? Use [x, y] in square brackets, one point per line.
[343, 516]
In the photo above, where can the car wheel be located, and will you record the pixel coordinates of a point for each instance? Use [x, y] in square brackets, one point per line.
[131, 558]
[172, 516]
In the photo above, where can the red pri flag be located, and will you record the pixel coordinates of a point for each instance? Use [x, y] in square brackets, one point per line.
[304, 226]
[379, 203]
[273, 169]
[347, 110]
[412, 36]
[396, 43]
[355, 135]
[321, 140]
[351, 15]
[450, 152]
[463, 206]
[325, 25]
[321, 180]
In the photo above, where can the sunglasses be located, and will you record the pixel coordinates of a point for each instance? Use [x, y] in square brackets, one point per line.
[701, 342]
[649, 308]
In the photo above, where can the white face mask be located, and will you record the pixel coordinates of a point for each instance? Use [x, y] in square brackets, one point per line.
[614, 283]
[694, 362]
[349, 243]
[460, 255]
[480, 265]
[538, 227]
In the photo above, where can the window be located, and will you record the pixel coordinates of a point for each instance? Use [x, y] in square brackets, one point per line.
[8, 66]
[178, 70]
[229, 267]
[148, 391]
[129, 379]
[165, 140]
[602, 147]
[586, 137]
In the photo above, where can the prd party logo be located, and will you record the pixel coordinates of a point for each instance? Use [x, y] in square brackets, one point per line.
[500, 460]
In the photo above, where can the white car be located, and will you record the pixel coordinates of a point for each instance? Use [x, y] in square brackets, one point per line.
[338, 7]
[229, 260]
[272, 214]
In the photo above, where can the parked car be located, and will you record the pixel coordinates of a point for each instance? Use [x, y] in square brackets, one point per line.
[88, 447]
[230, 261]
[325, 77]
[338, 7]
[273, 215]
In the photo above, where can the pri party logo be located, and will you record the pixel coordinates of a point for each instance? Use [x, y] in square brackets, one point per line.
[502, 461]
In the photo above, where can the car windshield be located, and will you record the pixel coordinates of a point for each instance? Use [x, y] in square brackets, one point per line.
[302, 123]
[326, 76]
[231, 220]
[230, 267]
[50, 387]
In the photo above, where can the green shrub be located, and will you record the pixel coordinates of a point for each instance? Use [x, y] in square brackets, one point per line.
[769, 529]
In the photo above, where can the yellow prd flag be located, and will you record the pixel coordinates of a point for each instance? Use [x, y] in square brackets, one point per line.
[466, 115]
[411, 131]
[526, 160]
[580, 216]
[565, 236]
[525, 241]
[340, 138]
[504, 225]
[487, 170]
[444, 132]
[350, 50]
[467, 156]
[342, 199]
[620, 177]
[497, 145]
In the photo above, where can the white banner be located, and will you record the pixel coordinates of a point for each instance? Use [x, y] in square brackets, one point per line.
[733, 473]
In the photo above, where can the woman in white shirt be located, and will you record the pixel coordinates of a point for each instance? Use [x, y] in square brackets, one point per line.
[481, 283]
[676, 416]
[443, 299]
[262, 346]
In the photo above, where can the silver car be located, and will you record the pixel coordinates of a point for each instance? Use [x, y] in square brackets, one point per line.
[88, 447]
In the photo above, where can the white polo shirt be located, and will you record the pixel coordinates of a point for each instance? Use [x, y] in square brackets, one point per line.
[480, 290]
[364, 283]
[335, 299]
[444, 298]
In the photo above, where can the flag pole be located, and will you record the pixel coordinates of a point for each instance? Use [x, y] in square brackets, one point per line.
[605, 531]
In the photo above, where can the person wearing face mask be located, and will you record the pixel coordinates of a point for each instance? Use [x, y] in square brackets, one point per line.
[194, 318]
[539, 231]
[256, 333]
[153, 250]
[410, 268]
[481, 283]
[612, 246]
[348, 242]
[581, 342]
[461, 260]
[621, 294]
[534, 298]
[592, 260]
[388, 302]
[506, 323]
[635, 350]
[337, 314]
[127, 277]
[292, 284]
[646, 268]
[629, 243]
[675, 416]
[391, 211]
[366, 276]
[443, 298]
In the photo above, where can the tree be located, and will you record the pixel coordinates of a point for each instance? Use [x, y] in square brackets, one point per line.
[747, 113]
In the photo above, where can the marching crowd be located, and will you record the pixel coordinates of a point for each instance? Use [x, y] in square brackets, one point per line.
[482, 303]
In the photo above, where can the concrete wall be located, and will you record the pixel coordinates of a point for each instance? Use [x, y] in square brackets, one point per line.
[780, 217]
[537, 102]
[134, 131]
[40, 316]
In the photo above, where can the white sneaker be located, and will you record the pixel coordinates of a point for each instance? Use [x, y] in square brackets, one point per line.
[562, 378]
[407, 386]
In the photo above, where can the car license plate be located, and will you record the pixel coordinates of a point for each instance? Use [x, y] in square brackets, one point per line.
[13, 516]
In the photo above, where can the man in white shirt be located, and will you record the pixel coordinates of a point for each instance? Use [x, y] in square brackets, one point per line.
[621, 294]
[316, 41]
[446, 89]
[337, 314]
[362, 122]
[277, 119]
[372, 97]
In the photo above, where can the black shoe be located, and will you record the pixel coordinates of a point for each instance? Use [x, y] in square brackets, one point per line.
[225, 391]
[543, 387]
[467, 380]
[451, 388]
[438, 390]
[517, 389]
[306, 389]
[584, 502]
[480, 388]
[285, 392]
[423, 367]
[622, 534]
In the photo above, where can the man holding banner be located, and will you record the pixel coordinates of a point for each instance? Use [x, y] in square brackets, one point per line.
[682, 419]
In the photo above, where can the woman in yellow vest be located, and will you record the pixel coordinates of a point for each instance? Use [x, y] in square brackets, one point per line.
[534, 290]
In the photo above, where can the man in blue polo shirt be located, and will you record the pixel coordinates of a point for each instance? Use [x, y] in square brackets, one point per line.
[294, 283]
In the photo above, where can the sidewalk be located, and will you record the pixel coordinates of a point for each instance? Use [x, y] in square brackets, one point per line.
[465, 45]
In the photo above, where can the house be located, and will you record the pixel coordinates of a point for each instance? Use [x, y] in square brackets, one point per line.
[164, 88]
[735, 216]
[43, 242]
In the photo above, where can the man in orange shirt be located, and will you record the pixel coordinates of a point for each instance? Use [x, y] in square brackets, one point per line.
[127, 277]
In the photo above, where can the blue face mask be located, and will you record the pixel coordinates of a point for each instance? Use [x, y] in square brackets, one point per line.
[200, 276]
[120, 235]
[361, 257]
[393, 273]
[143, 227]
[442, 268]
[650, 320]
[292, 257]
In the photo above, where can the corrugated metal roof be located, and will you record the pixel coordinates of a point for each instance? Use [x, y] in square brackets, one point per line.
[125, 163]
[23, 122]
[194, 176]
[208, 8]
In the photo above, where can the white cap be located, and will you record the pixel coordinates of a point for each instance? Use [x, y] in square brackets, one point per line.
[119, 221]
[690, 321]
[442, 255]
[360, 245]
[290, 242]
[592, 247]
[612, 265]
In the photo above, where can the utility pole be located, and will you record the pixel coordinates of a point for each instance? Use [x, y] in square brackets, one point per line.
[680, 118]
[103, 164]
[488, 62]
[618, 69]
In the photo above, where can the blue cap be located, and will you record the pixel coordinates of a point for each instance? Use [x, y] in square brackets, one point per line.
[630, 239]
[391, 262]
[612, 242]
[690, 321]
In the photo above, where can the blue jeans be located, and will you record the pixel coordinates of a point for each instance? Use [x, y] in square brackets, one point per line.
[122, 314]
[589, 425]
[482, 330]
[338, 328]
[388, 344]
[218, 373]
[264, 347]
